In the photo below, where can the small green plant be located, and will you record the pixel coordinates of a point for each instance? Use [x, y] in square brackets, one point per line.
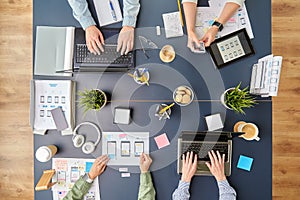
[92, 99]
[237, 99]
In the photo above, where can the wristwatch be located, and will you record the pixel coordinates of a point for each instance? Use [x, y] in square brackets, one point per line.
[218, 24]
[87, 178]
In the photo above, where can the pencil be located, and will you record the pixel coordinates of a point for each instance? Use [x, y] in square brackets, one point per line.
[180, 12]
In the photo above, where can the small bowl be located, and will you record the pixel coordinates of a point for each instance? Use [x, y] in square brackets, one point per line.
[147, 75]
[175, 93]
[167, 54]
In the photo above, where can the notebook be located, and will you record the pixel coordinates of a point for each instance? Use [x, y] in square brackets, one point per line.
[108, 11]
[172, 24]
[54, 51]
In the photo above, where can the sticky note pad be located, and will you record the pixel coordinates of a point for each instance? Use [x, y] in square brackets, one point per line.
[214, 122]
[88, 166]
[162, 140]
[245, 163]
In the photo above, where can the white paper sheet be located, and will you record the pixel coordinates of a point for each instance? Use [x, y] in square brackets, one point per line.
[104, 12]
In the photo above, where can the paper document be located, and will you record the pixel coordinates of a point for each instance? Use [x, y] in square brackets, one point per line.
[68, 171]
[108, 11]
[51, 94]
[172, 24]
[205, 17]
[124, 148]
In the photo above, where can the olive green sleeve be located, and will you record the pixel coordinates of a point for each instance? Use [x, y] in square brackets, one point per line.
[146, 190]
[80, 188]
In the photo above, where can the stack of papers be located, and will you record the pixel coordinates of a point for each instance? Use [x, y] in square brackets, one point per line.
[265, 76]
[206, 15]
[47, 95]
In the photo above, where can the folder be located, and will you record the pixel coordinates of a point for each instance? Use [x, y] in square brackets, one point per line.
[54, 51]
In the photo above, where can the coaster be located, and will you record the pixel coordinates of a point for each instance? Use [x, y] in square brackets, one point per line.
[214, 122]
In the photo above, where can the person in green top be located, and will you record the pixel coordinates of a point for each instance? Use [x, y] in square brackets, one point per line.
[83, 184]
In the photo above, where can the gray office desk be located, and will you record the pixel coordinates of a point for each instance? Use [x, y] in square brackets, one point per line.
[190, 69]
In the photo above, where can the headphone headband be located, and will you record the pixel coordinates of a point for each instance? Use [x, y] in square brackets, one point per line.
[91, 124]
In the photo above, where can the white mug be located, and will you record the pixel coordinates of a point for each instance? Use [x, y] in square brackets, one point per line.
[243, 128]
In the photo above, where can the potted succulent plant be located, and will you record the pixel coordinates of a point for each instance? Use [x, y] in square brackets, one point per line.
[237, 99]
[93, 99]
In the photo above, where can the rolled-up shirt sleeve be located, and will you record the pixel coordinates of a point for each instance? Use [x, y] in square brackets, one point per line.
[131, 10]
[182, 192]
[81, 13]
[226, 192]
[239, 2]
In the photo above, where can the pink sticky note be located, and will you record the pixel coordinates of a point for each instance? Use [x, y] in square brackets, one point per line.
[162, 141]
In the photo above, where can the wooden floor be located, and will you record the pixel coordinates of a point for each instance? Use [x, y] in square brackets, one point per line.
[16, 139]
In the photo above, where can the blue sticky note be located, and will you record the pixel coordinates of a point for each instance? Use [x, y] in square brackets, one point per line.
[245, 163]
[88, 166]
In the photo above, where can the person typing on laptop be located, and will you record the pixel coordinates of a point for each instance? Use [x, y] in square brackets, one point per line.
[94, 37]
[216, 167]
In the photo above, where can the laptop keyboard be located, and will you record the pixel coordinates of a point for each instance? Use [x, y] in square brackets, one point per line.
[110, 56]
[202, 149]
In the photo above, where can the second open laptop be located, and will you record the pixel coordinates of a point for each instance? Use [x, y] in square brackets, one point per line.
[108, 61]
[202, 142]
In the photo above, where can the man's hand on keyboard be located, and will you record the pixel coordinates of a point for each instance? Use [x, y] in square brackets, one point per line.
[94, 40]
[125, 40]
[189, 166]
[216, 165]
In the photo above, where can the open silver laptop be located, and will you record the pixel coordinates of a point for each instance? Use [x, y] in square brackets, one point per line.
[202, 142]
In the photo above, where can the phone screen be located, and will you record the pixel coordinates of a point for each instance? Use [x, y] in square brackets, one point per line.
[111, 149]
[125, 148]
[74, 174]
[138, 148]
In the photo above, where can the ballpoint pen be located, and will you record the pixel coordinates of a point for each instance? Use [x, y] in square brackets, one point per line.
[112, 11]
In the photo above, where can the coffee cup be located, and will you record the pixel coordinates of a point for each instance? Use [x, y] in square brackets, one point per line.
[167, 54]
[250, 131]
[45, 153]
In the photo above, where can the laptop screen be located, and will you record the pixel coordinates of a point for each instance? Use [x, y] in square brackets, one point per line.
[206, 135]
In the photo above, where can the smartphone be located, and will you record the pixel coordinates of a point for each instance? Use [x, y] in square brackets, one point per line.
[200, 48]
[74, 174]
[125, 148]
[111, 149]
[138, 148]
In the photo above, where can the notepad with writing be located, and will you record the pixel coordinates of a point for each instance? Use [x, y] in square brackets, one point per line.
[54, 51]
[108, 11]
[172, 24]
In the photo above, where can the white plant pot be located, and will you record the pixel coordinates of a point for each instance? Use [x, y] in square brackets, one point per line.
[223, 98]
[105, 97]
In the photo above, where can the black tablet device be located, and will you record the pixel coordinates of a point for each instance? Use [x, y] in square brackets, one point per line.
[230, 48]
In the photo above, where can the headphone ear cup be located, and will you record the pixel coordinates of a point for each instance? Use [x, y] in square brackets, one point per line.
[78, 140]
[88, 147]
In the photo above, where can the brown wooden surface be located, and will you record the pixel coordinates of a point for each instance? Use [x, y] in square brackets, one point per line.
[16, 140]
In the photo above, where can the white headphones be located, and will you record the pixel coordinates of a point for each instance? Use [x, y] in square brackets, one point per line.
[79, 140]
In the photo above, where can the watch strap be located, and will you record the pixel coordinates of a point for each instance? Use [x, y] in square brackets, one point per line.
[218, 24]
[87, 178]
